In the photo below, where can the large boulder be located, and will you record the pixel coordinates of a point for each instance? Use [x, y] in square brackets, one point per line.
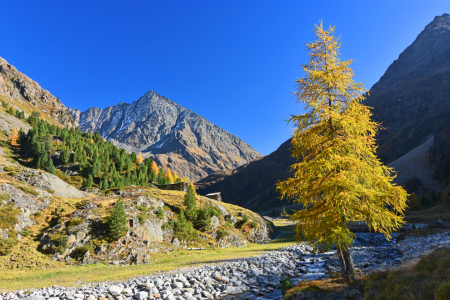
[232, 240]
[49, 182]
[149, 231]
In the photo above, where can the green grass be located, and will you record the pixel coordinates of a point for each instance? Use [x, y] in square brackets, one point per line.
[28, 190]
[77, 275]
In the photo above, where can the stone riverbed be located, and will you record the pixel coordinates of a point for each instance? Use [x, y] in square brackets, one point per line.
[254, 278]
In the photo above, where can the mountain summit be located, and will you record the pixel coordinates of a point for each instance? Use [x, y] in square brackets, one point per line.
[168, 133]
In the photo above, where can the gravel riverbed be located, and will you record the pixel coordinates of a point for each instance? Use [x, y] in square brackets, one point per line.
[256, 277]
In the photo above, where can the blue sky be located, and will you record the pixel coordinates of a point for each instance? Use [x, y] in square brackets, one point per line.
[232, 62]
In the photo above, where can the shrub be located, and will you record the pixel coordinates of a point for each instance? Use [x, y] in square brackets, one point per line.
[240, 224]
[118, 221]
[8, 217]
[166, 225]
[73, 222]
[443, 292]
[254, 224]
[183, 229]
[221, 233]
[160, 213]
[286, 285]
[142, 218]
[26, 232]
[4, 196]
[414, 201]
[28, 190]
[143, 208]
[59, 242]
[6, 246]
[38, 214]
[79, 252]
[10, 207]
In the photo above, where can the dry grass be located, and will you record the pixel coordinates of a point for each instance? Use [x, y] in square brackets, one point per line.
[428, 214]
[417, 281]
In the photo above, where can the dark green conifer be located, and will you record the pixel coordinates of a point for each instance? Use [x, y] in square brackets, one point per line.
[191, 203]
[118, 221]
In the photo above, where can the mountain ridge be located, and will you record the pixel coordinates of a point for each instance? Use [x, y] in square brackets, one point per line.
[168, 133]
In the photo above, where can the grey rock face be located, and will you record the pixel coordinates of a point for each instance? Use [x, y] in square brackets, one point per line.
[8, 122]
[17, 86]
[170, 134]
[26, 202]
[47, 181]
[232, 240]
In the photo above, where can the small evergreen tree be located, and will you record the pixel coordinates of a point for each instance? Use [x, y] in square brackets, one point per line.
[64, 156]
[104, 185]
[183, 229]
[118, 221]
[190, 202]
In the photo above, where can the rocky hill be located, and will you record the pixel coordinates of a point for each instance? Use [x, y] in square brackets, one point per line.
[168, 133]
[252, 185]
[27, 95]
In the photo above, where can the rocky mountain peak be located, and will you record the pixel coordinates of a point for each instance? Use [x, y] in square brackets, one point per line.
[170, 134]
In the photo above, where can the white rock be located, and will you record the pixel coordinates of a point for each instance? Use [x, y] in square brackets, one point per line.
[115, 290]
[141, 295]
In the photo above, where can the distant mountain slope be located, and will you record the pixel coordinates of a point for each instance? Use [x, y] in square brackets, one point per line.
[252, 185]
[413, 97]
[27, 95]
[170, 134]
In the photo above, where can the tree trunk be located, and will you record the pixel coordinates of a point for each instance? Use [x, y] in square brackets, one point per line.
[348, 269]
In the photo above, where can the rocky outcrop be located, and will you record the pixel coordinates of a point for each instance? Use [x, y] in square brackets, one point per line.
[50, 182]
[19, 87]
[8, 123]
[27, 203]
[79, 239]
[232, 240]
[170, 134]
[252, 185]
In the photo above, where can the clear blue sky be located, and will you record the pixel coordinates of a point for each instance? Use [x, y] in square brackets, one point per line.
[232, 62]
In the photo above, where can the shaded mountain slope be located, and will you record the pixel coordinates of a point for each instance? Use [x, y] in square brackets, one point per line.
[413, 97]
[252, 185]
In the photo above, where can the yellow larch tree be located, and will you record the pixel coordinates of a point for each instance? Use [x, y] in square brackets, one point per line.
[139, 158]
[168, 175]
[155, 167]
[14, 137]
[175, 177]
[337, 177]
